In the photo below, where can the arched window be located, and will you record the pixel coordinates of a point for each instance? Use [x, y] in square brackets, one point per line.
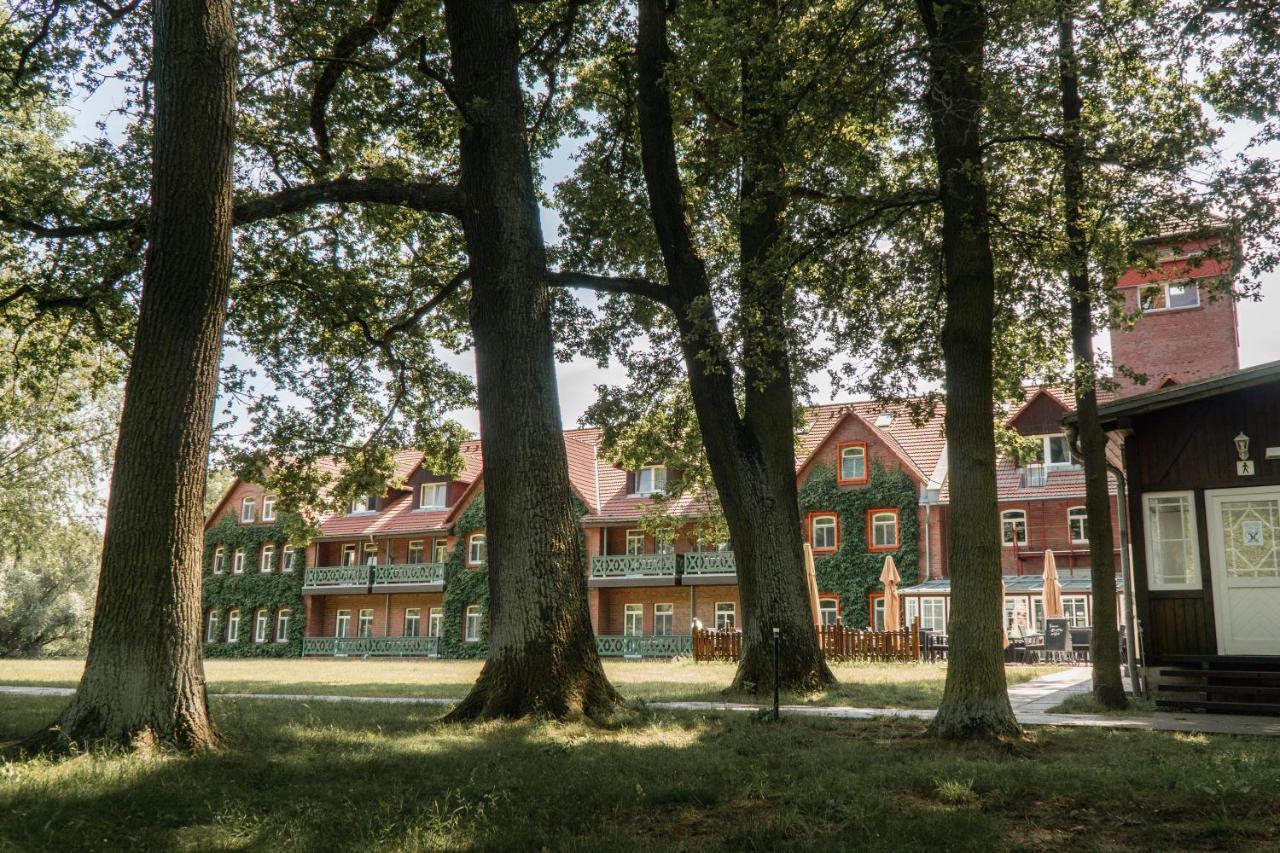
[476, 550]
[853, 462]
[471, 625]
[1078, 524]
[248, 510]
[269, 508]
[267, 561]
[882, 529]
[261, 622]
[824, 534]
[1013, 527]
[211, 633]
[233, 626]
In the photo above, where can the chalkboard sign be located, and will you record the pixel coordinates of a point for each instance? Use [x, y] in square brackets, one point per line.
[1057, 637]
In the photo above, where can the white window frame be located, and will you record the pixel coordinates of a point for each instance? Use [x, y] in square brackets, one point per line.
[213, 623]
[726, 609]
[1074, 514]
[828, 605]
[287, 558]
[442, 489]
[233, 626]
[859, 450]
[282, 624]
[834, 527]
[1070, 613]
[349, 554]
[360, 506]
[933, 613]
[269, 508]
[440, 551]
[1011, 516]
[664, 619]
[435, 621]
[634, 542]
[260, 624]
[477, 556]
[1164, 287]
[342, 623]
[370, 553]
[657, 480]
[248, 510]
[910, 609]
[219, 558]
[1154, 581]
[411, 549]
[364, 622]
[877, 523]
[471, 624]
[267, 559]
[632, 620]
[877, 614]
[413, 616]
[237, 562]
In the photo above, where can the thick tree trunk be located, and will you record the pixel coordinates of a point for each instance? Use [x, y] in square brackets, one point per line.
[143, 682]
[975, 701]
[752, 457]
[542, 652]
[1108, 685]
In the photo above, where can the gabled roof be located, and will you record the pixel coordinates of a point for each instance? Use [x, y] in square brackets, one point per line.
[851, 412]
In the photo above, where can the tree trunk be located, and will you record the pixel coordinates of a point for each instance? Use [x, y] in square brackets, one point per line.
[143, 682]
[542, 659]
[1104, 651]
[975, 701]
[752, 457]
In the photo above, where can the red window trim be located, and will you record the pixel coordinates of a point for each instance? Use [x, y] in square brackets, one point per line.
[897, 530]
[831, 596]
[808, 523]
[866, 464]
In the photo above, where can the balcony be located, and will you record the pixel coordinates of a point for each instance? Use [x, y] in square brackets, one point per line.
[644, 646]
[372, 646]
[709, 567]
[331, 579]
[633, 570]
[409, 577]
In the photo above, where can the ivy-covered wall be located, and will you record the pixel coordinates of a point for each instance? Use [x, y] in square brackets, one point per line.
[252, 590]
[853, 571]
[465, 586]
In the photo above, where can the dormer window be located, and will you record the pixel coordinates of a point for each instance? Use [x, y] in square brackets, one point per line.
[269, 508]
[248, 510]
[364, 503]
[433, 496]
[651, 479]
[1054, 450]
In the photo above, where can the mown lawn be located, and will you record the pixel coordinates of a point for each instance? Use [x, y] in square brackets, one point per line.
[894, 685]
[322, 777]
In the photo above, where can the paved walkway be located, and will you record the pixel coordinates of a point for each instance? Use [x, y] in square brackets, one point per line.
[1030, 700]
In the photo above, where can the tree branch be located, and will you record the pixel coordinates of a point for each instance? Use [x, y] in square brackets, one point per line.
[632, 285]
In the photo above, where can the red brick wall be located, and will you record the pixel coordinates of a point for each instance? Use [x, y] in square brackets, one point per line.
[1047, 527]
[324, 622]
[232, 504]
[853, 429]
[700, 601]
[1186, 343]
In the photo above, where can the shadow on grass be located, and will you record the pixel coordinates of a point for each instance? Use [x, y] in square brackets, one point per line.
[351, 777]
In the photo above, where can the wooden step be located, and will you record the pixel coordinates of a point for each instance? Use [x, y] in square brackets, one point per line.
[1246, 689]
[1217, 706]
[1221, 674]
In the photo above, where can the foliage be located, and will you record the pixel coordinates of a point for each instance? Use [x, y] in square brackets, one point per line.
[252, 590]
[853, 571]
[465, 586]
[46, 595]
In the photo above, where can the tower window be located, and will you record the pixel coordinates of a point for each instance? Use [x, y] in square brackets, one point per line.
[1166, 296]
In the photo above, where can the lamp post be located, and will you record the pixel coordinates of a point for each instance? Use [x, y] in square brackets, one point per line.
[777, 676]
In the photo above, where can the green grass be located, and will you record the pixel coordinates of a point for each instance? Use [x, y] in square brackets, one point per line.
[894, 685]
[381, 778]
[1084, 703]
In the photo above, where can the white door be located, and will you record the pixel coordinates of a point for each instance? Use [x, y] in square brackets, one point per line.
[1244, 547]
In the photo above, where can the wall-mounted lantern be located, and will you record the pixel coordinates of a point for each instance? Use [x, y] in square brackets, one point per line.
[1244, 467]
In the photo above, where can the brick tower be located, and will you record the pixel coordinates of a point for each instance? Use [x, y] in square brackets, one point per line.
[1182, 335]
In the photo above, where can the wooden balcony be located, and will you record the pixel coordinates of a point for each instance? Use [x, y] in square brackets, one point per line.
[633, 570]
[644, 646]
[336, 579]
[708, 567]
[409, 577]
[372, 646]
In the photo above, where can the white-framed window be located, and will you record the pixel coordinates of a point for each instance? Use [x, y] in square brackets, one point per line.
[651, 479]
[290, 554]
[476, 549]
[211, 629]
[471, 627]
[635, 542]
[1173, 548]
[632, 620]
[261, 622]
[853, 462]
[877, 615]
[282, 625]
[237, 562]
[664, 546]
[664, 616]
[1017, 616]
[829, 611]
[219, 557]
[1075, 608]
[1037, 613]
[1013, 527]
[433, 496]
[267, 559]
[435, 621]
[933, 614]
[371, 553]
[415, 552]
[822, 532]
[882, 529]
[248, 510]
[1167, 295]
[348, 555]
[269, 508]
[440, 551]
[910, 610]
[1078, 524]
[342, 624]
[412, 621]
[1057, 450]
[364, 626]
[726, 615]
[364, 503]
[233, 626]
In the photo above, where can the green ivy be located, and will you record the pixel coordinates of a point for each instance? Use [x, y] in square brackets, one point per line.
[464, 586]
[252, 590]
[853, 571]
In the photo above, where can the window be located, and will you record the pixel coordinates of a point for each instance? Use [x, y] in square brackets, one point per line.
[1075, 609]
[364, 627]
[664, 619]
[269, 508]
[1057, 450]
[471, 628]
[1169, 295]
[261, 621]
[911, 609]
[415, 551]
[248, 509]
[933, 614]
[282, 625]
[823, 535]
[290, 554]
[342, 625]
[829, 611]
[219, 557]
[1077, 523]
[633, 620]
[371, 553]
[726, 615]
[365, 503]
[267, 560]
[1017, 616]
[476, 549]
[1037, 613]
[1013, 528]
[237, 562]
[433, 495]
[348, 555]
[635, 542]
[412, 621]
[211, 633]
[435, 620]
[440, 551]
[877, 614]
[233, 626]
[853, 462]
[1172, 548]
[665, 546]
[651, 479]
[882, 529]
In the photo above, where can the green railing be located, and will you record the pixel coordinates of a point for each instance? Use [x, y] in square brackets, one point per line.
[634, 566]
[408, 573]
[376, 646]
[320, 576]
[709, 563]
[645, 646]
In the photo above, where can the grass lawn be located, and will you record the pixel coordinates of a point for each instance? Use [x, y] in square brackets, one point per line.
[864, 685]
[389, 778]
[1084, 703]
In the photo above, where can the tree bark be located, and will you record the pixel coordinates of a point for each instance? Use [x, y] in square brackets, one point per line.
[1104, 651]
[542, 659]
[975, 700]
[143, 683]
[752, 456]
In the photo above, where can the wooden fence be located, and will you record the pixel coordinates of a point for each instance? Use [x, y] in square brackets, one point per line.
[837, 643]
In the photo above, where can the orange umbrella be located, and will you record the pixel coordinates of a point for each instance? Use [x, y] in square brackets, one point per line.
[811, 581]
[892, 603]
[1004, 629]
[1052, 588]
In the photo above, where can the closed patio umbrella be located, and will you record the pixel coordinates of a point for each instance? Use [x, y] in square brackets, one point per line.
[811, 580]
[1052, 588]
[892, 603]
